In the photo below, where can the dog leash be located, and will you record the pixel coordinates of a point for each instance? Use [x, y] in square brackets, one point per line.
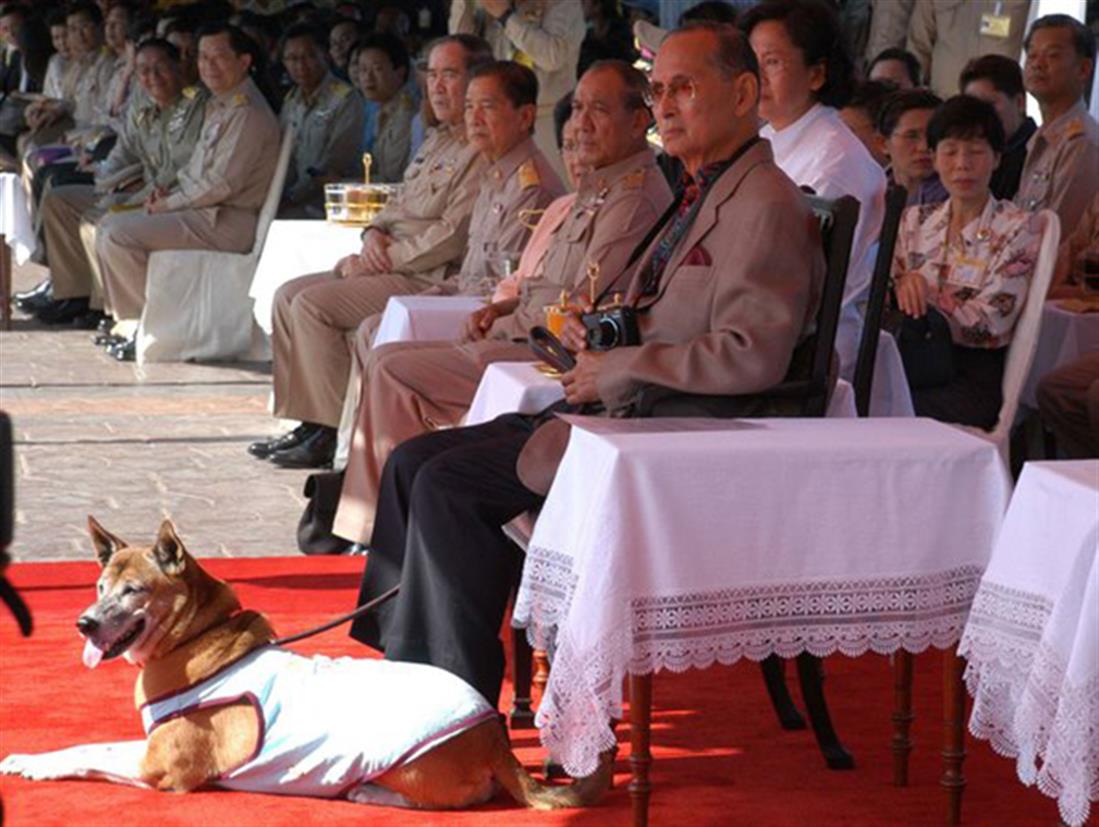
[363, 609]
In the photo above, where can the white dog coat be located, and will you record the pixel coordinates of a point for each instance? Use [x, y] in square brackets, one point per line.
[327, 725]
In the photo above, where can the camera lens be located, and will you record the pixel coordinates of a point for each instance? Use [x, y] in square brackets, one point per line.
[604, 336]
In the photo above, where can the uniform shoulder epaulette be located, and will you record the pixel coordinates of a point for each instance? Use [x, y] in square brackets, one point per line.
[190, 92]
[1074, 128]
[528, 174]
[239, 99]
[634, 180]
[341, 89]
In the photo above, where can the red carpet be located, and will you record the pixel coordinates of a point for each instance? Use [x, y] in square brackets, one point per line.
[720, 758]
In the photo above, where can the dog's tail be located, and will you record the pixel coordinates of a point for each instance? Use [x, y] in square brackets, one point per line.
[530, 792]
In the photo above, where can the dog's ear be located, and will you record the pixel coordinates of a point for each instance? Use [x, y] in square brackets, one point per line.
[105, 543]
[168, 551]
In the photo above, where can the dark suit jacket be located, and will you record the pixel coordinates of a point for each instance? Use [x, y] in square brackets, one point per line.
[739, 291]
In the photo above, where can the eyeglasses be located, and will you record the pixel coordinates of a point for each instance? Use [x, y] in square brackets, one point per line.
[911, 136]
[681, 89]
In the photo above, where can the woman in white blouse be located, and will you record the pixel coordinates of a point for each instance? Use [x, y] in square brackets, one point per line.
[971, 259]
[806, 75]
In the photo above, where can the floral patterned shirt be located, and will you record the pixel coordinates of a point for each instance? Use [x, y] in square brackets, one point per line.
[979, 283]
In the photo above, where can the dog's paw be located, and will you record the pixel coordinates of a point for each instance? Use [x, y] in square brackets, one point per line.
[35, 767]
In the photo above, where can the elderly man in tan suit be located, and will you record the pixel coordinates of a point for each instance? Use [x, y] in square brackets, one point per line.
[725, 291]
[499, 117]
[218, 194]
[409, 388]
[542, 34]
[416, 244]
[157, 138]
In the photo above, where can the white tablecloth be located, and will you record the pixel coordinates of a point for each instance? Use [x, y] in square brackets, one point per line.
[16, 223]
[1033, 636]
[425, 318]
[1064, 337]
[889, 392]
[519, 387]
[297, 248]
[662, 548]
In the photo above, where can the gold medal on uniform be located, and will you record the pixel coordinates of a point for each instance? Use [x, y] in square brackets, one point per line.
[995, 24]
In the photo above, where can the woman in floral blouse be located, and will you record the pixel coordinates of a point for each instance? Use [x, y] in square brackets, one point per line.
[970, 258]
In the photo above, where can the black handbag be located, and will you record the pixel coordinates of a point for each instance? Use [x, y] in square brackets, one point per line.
[315, 535]
[927, 350]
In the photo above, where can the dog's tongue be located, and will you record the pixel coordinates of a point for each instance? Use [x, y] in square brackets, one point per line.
[92, 654]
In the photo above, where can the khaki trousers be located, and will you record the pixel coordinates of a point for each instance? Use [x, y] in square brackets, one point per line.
[407, 388]
[63, 211]
[124, 241]
[1068, 399]
[310, 322]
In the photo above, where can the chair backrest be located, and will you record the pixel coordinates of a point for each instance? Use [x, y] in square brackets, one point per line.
[896, 198]
[1024, 340]
[274, 191]
[838, 219]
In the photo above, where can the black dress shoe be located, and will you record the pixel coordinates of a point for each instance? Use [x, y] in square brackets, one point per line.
[265, 447]
[106, 324]
[62, 311]
[43, 286]
[358, 550]
[315, 451]
[125, 350]
[33, 300]
[89, 320]
[108, 340]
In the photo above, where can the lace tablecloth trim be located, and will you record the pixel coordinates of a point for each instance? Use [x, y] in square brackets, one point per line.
[1025, 705]
[697, 629]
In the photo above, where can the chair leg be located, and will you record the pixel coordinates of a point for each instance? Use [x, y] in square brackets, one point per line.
[953, 779]
[774, 678]
[641, 700]
[521, 715]
[5, 284]
[812, 691]
[902, 716]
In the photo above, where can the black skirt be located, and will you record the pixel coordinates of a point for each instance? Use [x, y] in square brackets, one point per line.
[975, 394]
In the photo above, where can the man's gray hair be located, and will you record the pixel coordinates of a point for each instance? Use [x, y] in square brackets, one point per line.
[637, 85]
[734, 53]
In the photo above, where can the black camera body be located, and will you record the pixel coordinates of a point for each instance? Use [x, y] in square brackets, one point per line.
[611, 327]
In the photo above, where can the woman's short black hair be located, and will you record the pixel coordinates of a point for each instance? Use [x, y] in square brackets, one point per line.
[901, 101]
[814, 28]
[966, 117]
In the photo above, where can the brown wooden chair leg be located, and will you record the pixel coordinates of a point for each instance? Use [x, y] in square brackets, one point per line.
[641, 699]
[521, 715]
[902, 716]
[5, 284]
[541, 671]
[953, 780]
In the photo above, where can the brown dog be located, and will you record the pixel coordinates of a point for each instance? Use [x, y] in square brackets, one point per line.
[185, 628]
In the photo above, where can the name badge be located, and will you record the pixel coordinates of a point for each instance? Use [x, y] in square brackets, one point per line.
[995, 25]
[966, 271]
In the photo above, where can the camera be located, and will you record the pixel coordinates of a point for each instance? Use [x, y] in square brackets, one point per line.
[611, 327]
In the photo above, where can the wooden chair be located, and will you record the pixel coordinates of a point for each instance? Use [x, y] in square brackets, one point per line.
[5, 283]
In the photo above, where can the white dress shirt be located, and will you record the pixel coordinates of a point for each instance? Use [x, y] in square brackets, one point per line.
[819, 151]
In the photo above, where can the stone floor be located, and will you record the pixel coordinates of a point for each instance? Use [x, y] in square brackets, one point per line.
[132, 445]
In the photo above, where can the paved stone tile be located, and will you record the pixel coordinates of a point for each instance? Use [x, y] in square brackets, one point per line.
[134, 445]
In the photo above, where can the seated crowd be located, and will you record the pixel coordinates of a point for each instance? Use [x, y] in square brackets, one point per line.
[159, 132]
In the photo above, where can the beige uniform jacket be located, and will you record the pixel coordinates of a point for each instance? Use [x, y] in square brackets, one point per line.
[429, 219]
[235, 157]
[614, 208]
[1061, 172]
[888, 26]
[327, 135]
[392, 138]
[155, 143]
[520, 182]
[946, 34]
[738, 293]
[90, 81]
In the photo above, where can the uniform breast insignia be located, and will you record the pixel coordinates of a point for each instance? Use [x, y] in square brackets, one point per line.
[528, 175]
[591, 207]
[190, 92]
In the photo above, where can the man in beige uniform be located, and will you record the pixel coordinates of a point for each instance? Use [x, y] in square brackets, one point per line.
[410, 388]
[383, 69]
[415, 244]
[1061, 172]
[219, 192]
[946, 34]
[327, 118]
[157, 138]
[543, 34]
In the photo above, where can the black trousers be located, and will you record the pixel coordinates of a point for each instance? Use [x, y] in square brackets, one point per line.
[975, 394]
[443, 500]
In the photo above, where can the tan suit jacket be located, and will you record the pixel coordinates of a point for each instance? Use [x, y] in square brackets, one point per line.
[738, 293]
